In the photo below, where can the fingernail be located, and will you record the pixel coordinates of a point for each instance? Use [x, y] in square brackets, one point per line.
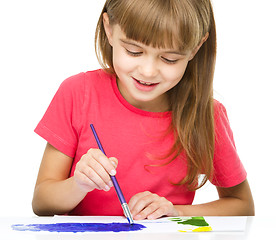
[110, 184]
[112, 172]
[106, 188]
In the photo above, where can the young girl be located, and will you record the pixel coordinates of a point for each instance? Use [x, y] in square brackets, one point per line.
[153, 108]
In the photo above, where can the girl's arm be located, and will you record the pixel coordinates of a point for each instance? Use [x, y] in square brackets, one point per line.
[235, 201]
[56, 193]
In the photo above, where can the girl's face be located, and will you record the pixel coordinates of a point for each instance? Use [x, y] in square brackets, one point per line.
[145, 74]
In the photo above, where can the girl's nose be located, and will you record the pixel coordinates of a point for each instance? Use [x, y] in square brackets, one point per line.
[148, 68]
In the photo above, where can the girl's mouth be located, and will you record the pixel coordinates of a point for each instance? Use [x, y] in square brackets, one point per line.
[145, 83]
[144, 86]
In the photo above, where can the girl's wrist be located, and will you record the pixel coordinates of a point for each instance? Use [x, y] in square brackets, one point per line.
[180, 209]
[77, 189]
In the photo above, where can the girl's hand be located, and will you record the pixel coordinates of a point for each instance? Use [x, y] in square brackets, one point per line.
[147, 205]
[93, 170]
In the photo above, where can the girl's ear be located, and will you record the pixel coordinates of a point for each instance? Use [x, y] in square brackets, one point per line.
[107, 27]
[195, 50]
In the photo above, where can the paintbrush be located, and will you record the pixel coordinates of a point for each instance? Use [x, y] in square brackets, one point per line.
[115, 183]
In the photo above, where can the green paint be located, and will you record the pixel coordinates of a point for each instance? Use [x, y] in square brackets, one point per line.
[194, 221]
[175, 219]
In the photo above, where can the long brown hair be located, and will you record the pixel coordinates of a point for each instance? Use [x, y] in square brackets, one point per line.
[175, 24]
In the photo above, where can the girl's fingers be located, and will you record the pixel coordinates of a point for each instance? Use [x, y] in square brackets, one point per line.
[141, 200]
[135, 199]
[114, 161]
[151, 206]
[84, 182]
[97, 168]
[147, 211]
[104, 161]
[165, 208]
[99, 177]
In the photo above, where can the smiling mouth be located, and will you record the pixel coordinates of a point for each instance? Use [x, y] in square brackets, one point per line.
[145, 83]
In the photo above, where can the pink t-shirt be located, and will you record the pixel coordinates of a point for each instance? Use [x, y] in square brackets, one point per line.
[135, 137]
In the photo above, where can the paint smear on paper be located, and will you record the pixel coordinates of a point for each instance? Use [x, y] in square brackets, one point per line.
[193, 224]
[79, 227]
[202, 229]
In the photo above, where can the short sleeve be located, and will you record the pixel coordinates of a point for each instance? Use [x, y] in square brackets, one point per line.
[228, 168]
[60, 124]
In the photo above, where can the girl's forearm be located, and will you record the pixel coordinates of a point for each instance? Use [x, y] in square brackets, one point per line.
[227, 206]
[56, 197]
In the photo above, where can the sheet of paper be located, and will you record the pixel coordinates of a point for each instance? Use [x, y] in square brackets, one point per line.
[227, 224]
[92, 224]
[218, 224]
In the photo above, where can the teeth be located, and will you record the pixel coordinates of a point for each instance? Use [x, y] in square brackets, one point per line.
[145, 83]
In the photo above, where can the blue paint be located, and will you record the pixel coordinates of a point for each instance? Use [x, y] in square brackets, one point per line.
[79, 227]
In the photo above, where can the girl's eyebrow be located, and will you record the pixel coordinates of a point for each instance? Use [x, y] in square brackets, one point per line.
[167, 52]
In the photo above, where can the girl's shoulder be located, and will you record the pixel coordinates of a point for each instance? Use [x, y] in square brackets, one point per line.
[97, 75]
[221, 120]
[219, 109]
[86, 79]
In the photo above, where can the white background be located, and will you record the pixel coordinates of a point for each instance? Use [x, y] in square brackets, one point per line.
[44, 42]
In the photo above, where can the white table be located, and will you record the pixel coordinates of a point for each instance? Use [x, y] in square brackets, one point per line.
[255, 228]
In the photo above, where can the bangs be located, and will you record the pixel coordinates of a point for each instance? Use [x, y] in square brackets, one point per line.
[158, 23]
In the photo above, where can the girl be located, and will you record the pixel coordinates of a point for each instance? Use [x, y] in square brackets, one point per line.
[153, 108]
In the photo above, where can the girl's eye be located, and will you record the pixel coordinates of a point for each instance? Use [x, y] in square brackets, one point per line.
[169, 61]
[135, 54]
